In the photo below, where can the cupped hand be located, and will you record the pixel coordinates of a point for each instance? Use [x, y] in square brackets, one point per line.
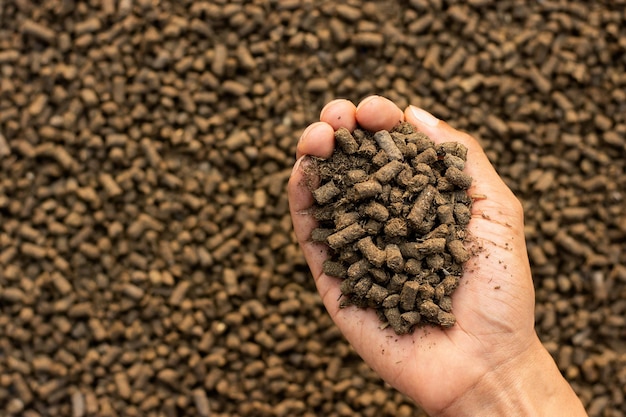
[494, 304]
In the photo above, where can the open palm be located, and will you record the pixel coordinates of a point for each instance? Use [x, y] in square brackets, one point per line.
[494, 302]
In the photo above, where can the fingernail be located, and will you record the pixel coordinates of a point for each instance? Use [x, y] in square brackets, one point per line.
[296, 166]
[306, 132]
[327, 107]
[367, 100]
[424, 117]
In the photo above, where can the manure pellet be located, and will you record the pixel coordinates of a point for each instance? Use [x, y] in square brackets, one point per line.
[458, 251]
[408, 294]
[453, 148]
[411, 318]
[394, 258]
[462, 214]
[426, 291]
[445, 319]
[362, 286]
[376, 211]
[380, 275]
[368, 148]
[358, 269]
[343, 220]
[458, 178]
[320, 235]
[388, 171]
[412, 266]
[387, 144]
[391, 301]
[427, 156]
[371, 252]
[355, 176]
[451, 160]
[367, 189]
[397, 282]
[334, 269]
[396, 227]
[326, 193]
[420, 250]
[450, 283]
[346, 141]
[343, 237]
[429, 309]
[422, 206]
[445, 213]
[378, 293]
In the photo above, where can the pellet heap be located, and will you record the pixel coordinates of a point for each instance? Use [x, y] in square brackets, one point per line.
[393, 208]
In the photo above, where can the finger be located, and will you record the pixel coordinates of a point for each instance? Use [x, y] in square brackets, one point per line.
[318, 140]
[339, 113]
[300, 203]
[377, 113]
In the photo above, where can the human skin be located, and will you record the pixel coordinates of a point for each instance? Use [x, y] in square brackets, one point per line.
[491, 362]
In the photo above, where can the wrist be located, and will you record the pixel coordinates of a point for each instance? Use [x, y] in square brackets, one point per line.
[529, 384]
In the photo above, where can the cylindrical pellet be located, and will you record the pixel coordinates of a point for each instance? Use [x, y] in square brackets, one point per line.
[385, 141]
[371, 252]
[367, 189]
[346, 141]
[326, 193]
[387, 172]
[348, 235]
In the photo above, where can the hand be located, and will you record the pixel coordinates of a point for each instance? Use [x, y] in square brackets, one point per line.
[493, 345]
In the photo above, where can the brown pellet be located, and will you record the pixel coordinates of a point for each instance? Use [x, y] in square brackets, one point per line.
[453, 148]
[421, 207]
[458, 178]
[377, 293]
[396, 227]
[355, 176]
[429, 309]
[367, 189]
[392, 300]
[427, 156]
[348, 235]
[320, 235]
[389, 171]
[458, 251]
[376, 211]
[386, 143]
[326, 193]
[346, 141]
[462, 214]
[358, 269]
[411, 318]
[408, 294]
[343, 220]
[420, 250]
[445, 213]
[394, 258]
[334, 269]
[362, 287]
[445, 319]
[371, 252]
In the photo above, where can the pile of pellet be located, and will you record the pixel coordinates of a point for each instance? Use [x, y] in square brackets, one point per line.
[147, 261]
[392, 207]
